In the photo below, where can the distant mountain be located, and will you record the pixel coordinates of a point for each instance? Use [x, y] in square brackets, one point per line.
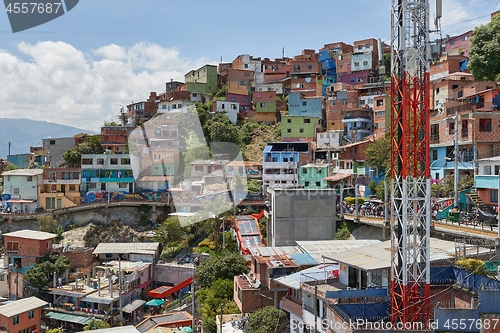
[24, 133]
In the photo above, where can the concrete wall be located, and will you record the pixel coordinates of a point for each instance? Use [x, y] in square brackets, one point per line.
[301, 214]
[172, 274]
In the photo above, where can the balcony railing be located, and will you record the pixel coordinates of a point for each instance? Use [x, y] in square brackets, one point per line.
[435, 138]
[310, 309]
[469, 106]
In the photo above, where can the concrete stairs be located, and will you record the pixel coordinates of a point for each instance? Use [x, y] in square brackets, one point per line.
[478, 202]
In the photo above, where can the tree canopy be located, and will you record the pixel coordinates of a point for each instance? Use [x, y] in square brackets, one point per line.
[484, 53]
[96, 324]
[169, 232]
[220, 266]
[265, 320]
[378, 153]
[38, 274]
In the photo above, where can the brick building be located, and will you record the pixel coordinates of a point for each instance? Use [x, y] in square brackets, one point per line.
[23, 315]
[22, 250]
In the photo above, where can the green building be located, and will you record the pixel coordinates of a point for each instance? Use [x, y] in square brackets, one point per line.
[312, 176]
[298, 127]
[265, 106]
[202, 80]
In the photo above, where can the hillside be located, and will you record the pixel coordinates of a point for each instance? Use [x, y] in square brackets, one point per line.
[24, 133]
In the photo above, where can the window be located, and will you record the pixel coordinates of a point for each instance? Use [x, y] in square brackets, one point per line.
[485, 125]
[301, 130]
[52, 142]
[464, 38]
[15, 320]
[114, 161]
[497, 169]
[356, 64]
[31, 314]
[245, 66]
[318, 184]
[304, 170]
[16, 190]
[30, 178]
[434, 155]
[198, 168]
[262, 105]
[460, 94]
[319, 171]
[360, 47]
[122, 185]
[309, 66]
[195, 95]
[304, 103]
[306, 184]
[100, 161]
[365, 63]
[108, 255]
[307, 121]
[125, 161]
[72, 188]
[380, 102]
[451, 128]
[494, 196]
[242, 83]
[233, 99]
[245, 99]
[452, 42]
[2, 277]
[91, 185]
[289, 121]
[379, 114]
[487, 170]
[12, 248]
[289, 130]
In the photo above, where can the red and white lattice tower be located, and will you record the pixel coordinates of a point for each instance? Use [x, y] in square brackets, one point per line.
[410, 174]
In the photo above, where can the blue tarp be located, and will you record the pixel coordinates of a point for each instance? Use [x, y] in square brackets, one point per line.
[466, 279]
[368, 311]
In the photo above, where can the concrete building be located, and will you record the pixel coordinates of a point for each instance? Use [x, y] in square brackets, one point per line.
[56, 147]
[249, 63]
[299, 128]
[107, 173]
[365, 55]
[202, 80]
[281, 161]
[20, 189]
[176, 100]
[300, 214]
[23, 315]
[332, 138]
[277, 69]
[459, 45]
[381, 114]
[146, 252]
[231, 109]
[300, 105]
[311, 176]
[60, 188]
[486, 181]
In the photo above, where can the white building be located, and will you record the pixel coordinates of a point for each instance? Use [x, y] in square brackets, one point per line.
[229, 108]
[22, 186]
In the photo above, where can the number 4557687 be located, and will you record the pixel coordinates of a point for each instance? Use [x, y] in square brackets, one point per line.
[33, 7]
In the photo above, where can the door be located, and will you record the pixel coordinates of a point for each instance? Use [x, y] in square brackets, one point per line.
[59, 203]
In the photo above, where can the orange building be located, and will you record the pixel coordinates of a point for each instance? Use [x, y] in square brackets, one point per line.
[22, 316]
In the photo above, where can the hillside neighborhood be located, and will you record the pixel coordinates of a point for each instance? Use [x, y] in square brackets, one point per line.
[256, 194]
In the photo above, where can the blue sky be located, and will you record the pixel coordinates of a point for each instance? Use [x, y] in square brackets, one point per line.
[80, 68]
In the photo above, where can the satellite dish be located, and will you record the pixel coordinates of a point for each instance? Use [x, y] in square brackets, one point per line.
[308, 79]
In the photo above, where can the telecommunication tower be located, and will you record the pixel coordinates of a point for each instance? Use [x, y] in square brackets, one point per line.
[410, 161]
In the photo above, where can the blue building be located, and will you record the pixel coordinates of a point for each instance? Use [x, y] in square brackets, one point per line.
[305, 107]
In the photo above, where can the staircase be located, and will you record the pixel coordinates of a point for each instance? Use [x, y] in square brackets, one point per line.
[478, 202]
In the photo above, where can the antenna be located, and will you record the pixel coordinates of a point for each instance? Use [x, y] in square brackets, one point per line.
[283, 53]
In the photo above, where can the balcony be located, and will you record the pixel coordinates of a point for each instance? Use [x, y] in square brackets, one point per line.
[479, 106]
[292, 306]
[434, 138]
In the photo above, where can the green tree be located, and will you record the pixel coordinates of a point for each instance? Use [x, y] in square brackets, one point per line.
[473, 265]
[36, 276]
[11, 167]
[169, 232]
[47, 222]
[111, 123]
[267, 320]
[220, 266]
[96, 324]
[72, 157]
[220, 129]
[378, 153]
[484, 52]
[56, 330]
[214, 299]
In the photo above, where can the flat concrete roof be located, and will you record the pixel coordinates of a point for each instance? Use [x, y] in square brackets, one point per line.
[21, 306]
[31, 234]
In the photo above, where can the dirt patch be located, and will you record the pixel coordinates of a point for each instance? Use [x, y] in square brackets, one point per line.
[91, 235]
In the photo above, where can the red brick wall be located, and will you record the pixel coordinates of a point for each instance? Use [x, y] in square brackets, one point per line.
[30, 248]
[24, 322]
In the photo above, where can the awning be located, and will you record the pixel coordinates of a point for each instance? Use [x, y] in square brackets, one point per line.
[98, 299]
[165, 291]
[68, 318]
[62, 292]
[337, 177]
[133, 306]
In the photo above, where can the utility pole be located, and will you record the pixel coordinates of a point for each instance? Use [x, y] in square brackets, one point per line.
[120, 286]
[192, 303]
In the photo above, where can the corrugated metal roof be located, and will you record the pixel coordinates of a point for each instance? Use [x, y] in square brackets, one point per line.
[68, 317]
[118, 329]
[31, 234]
[120, 248]
[21, 306]
[303, 259]
[23, 172]
[321, 272]
[378, 256]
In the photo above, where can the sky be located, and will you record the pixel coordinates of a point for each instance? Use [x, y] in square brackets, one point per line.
[80, 68]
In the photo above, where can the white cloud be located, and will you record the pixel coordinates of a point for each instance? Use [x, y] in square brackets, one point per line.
[67, 86]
